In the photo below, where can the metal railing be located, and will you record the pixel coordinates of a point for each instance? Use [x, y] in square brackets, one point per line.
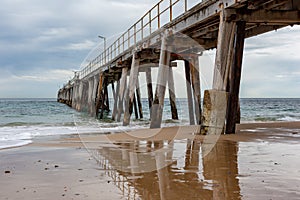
[158, 16]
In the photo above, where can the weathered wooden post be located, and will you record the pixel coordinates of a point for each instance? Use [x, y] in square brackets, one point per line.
[80, 94]
[104, 98]
[94, 95]
[131, 88]
[163, 73]
[107, 108]
[195, 72]
[90, 95]
[149, 89]
[135, 108]
[172, 94]
[189, 91]
[216, 100]
[116, 101]
[123, 83]
[235, 78]
[99, 93]
[138, 97]
[75, 94]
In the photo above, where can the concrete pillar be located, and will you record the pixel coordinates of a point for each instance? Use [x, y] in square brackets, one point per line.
[214, 112]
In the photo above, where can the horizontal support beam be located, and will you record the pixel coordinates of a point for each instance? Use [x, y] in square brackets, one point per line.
[265, 17]
[260, 29]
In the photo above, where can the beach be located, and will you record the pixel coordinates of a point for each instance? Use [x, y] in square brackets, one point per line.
[260, 162]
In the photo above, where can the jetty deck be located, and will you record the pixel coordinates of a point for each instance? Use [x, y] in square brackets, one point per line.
[172, 30]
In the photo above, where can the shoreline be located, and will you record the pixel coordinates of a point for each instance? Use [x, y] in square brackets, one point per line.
[250, 127]
[260, 162]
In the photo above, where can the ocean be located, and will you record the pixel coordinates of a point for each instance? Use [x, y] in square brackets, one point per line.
[22, 120]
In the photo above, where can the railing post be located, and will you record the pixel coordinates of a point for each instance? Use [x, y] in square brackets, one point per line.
[142, 28]
[128, 38]
[104, 56]
[134, 34]
[119, 48]
[111, 51]
[150, 21]
[123, 43]
[171, 11]
[158, 15]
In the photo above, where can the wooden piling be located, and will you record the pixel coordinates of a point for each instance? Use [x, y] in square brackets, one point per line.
[115, 109]
[149, 89]
[104, 99]
[99, 93]
[138, 97]
[172, 94]
[94, 96]
[135, 108]
[163, 73]
[235, 78]
[223, 53]
[113, 90]
[107, 107]
[189, 91]
[107, 104]
[123, 83]
[131, 89]
[195, 70]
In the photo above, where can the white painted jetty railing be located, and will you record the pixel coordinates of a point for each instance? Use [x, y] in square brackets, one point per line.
[159, 15]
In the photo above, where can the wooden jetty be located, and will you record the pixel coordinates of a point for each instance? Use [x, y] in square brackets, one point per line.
[172, 31]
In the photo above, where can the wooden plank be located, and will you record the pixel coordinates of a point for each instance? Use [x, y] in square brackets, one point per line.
[163, 73]
[189, 91]
[235, 74]
[134, 71]
[195, 72]
[123, 83]
[149, 89]
[172, 94]
[138, 97]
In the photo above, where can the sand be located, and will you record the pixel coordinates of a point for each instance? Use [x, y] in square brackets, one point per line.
[260, 162]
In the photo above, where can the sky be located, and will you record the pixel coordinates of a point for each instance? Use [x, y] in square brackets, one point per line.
[43, 42]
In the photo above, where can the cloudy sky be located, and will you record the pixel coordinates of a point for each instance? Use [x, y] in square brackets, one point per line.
[42, 42]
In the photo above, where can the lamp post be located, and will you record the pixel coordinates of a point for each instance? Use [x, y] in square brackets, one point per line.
[104, 38]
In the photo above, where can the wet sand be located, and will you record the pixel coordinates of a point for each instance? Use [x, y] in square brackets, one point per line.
[260, 162]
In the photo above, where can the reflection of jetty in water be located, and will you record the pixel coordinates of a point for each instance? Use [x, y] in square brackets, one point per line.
[172, 170]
